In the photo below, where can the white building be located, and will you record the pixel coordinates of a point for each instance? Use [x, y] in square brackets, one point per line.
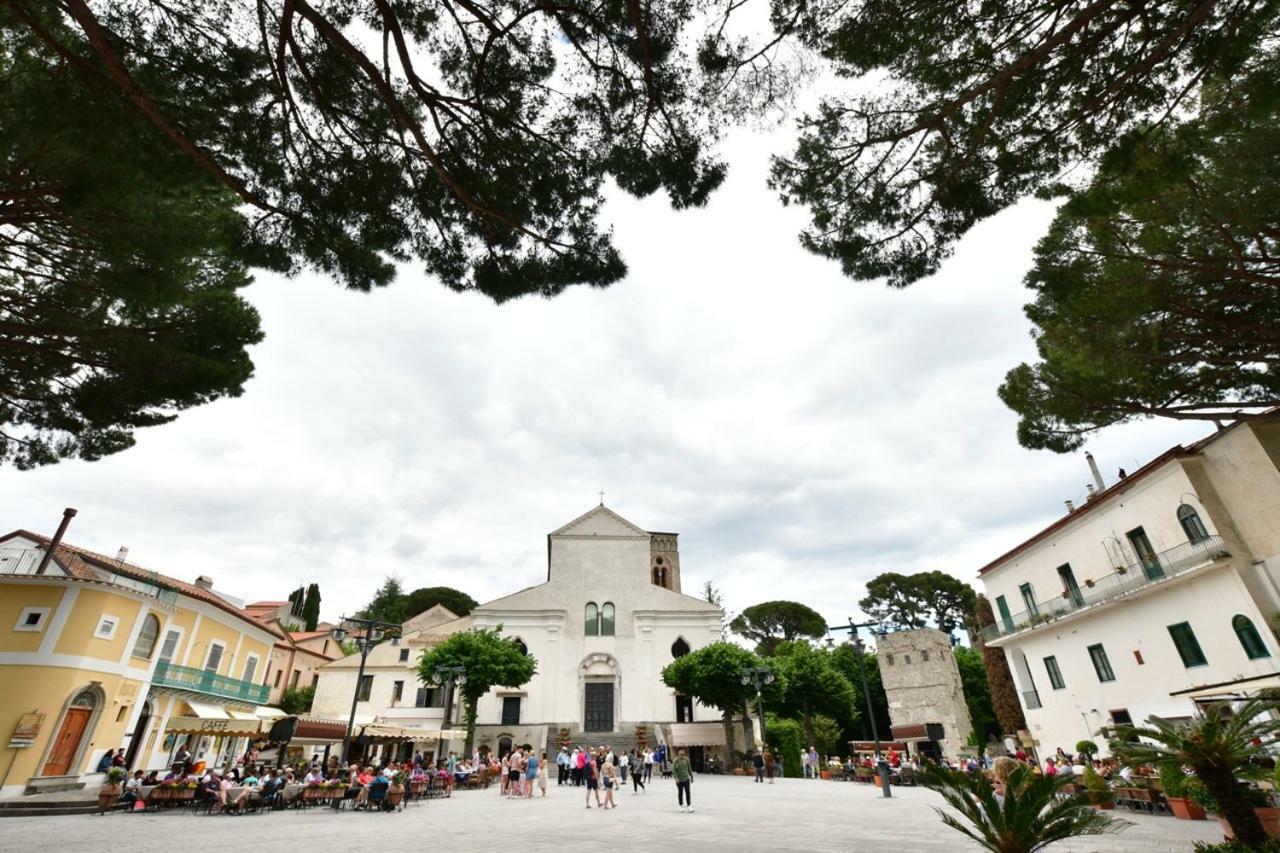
[607, 620]
[1158, 593]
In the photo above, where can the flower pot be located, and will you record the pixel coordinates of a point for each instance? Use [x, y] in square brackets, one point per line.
[876, 779]
[825, 774]
[1184, 809]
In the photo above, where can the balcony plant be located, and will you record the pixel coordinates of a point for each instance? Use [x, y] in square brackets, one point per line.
[1220, 747]
[1032, 815]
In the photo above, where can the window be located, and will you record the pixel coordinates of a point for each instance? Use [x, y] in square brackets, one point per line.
[404, 656]
[146, 643]
[315, 680]
[397, 691]
[32, 619]
[170, 645]
[250, 668]
[888, 659]
[679, 648]
[297, 673]
[606, 620]
[124, 709]
[429, 697]
[906, 658]
[1191, 524]
[362, 691]
[214, 660]
[1005, 618]
[1028, 598]
[591, 621]
[1184, 639]
[924, 655]
[1069, 585]
[1055, 674]
[1249, 638]
[279, 675]
[106, 627]
[1101, 665]
[511, 710]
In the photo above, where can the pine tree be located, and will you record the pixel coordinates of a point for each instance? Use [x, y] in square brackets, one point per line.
[311, 610]
[1004, 693]
[296, 599]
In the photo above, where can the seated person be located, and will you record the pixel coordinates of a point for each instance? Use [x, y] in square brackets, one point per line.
[133, 788]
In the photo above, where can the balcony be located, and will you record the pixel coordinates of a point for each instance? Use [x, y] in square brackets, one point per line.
[1119, 584]
[1031, 699]
[210, 683]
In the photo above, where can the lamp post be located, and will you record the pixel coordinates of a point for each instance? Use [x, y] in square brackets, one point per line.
[451, 677]
[375, 631]
[855, 640]
[759, 676]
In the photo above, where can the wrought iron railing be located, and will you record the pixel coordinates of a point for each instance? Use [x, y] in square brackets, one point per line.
[1123, 581]
[204, 681]
[25, 561]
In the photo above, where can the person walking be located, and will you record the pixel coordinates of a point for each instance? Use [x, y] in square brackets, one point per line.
[610, 774]
[637, 773]
[769, 764]
[624, 761]
[542, 774]
[591, 778]
[683, 773]
[648, 765]
[757, 761]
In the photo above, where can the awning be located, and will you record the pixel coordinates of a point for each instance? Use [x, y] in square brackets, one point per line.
[1239, 688]
[917, 732]
[213, 728]
[206, 711]
[696, 734]
[319, 731]
[242, 715]
[267, 713]
[396, 734]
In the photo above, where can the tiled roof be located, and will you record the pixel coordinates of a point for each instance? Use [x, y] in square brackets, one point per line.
[81, 563]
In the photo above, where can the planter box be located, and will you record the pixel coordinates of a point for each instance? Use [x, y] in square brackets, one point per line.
[1184, 809]
[1268, 817]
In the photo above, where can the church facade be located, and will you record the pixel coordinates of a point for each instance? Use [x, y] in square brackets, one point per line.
[603, 625]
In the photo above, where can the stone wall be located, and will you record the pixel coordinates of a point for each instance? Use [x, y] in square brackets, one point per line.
[922, 684]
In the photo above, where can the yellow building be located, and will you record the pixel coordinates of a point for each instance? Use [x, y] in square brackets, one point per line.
[97, 654]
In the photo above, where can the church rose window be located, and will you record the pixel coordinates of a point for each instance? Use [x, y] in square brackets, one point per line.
[606, 620]
[591, 626]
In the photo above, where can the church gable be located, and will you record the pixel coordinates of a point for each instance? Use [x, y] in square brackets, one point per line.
[601, 521]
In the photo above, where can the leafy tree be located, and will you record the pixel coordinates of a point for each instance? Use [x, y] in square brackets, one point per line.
[1155, 286]
[491, 660]
[297, 700]
[977, 695]
[1004, 693]
[422, 600]
[297, 600]
[388, 602]
[845, 660]
[120, 263]
[912, 601]
[984, 103]
[772, 622]
[1035, 813]
[713, 676]
[827, 736]
[785, 739]
[476, 137]
[1219, 746]
[813, 683]
[311, 609]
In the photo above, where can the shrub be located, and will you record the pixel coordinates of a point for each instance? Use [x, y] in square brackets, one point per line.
[786, 739]
[1100, 792]
[1086, 747]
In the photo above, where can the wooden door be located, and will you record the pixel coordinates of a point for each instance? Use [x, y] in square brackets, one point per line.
[67, 743]
[599, 707]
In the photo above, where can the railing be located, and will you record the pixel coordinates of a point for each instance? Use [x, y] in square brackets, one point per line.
[1031, 698]
[1171, 563]
[204, 681]
[25, 561]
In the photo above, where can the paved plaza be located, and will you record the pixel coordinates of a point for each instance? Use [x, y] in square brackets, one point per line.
[732, 814]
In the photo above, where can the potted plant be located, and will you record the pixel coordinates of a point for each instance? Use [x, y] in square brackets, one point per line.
[1099, 792]
[1268, 815]
[1176, 787]
[1086, 747]
[395, 791]
[1034, 813]
[1219, 747]
[109, 793]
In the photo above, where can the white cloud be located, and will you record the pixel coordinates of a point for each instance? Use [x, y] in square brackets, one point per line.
[801, 431]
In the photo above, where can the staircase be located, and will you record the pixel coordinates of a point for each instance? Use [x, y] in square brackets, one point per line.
[55, 803]
[621, 741]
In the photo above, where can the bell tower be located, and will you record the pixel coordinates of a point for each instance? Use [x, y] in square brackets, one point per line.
[664, 560]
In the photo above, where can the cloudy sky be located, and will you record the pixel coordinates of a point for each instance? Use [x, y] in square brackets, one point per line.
[802, 432]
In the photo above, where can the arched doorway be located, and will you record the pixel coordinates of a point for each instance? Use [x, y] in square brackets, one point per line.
[67, 749]
[504, 746]
[598, 675]
[139, 733]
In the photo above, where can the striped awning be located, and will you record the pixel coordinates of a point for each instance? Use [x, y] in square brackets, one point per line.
[696, 734]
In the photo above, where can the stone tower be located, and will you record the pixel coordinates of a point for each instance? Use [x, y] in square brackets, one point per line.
[922, 684]
[664, 560]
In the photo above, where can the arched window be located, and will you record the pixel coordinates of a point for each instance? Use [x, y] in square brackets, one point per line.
[679, 648]
[591, 623]
[1191, 524]
[1248, 636]
[87, 698]
[147, 637]
[606, 619]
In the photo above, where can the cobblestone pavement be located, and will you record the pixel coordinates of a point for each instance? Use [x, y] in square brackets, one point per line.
[732, 814]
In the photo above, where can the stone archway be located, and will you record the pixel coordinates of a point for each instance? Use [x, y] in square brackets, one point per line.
[599, 692]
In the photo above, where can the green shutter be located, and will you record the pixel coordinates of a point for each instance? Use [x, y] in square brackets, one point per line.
[1184, 640]
[1055, 674]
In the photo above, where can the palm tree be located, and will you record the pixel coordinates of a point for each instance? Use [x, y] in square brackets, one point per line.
[1032, 815]
[1219, 746]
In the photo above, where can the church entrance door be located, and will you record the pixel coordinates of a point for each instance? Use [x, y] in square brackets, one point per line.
[599, 707]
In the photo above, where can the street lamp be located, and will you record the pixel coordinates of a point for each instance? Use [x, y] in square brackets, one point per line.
[450, 677]
[759, 676]
[374, 632]
[856, 641]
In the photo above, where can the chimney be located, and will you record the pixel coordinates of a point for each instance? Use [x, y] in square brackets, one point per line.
[1071, 507]
[1097, 475]
[122, 554]
[204, 582]
[1093, 493]
[1123, 475]
[67, 514]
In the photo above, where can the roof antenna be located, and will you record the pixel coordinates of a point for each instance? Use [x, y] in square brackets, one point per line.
[67, 514]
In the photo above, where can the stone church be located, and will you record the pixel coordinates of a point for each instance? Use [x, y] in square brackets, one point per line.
[609, 617]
